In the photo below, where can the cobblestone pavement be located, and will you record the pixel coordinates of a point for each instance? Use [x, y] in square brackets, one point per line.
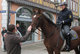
[35, 48]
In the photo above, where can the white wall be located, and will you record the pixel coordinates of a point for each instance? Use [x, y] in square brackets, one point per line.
[36, 36]
[4, 15]
[79, 8]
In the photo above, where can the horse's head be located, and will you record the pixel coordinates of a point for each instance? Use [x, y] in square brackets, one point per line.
[37, 11]
[36, 20]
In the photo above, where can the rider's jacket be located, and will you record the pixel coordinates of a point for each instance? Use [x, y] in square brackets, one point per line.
[66, 16]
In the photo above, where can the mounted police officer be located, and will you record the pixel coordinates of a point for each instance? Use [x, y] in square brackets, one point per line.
[65, 18]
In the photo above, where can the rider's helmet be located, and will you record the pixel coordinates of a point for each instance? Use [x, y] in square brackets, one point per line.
[63, 3]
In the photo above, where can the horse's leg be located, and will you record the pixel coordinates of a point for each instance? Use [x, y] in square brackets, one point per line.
[76, 50]
[79, 48]
[50, 51]
[57, 51]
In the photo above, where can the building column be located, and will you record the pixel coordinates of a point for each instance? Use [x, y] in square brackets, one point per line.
[37, 37]
[3, 18]
[0, 21]
[4, 15]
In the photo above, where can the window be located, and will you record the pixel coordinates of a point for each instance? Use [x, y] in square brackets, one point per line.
[52, 0]
[74, 6]
[68, 3]
[23, 13]
[71, 4]
[59, 1]
[46, 0]
[76, 0]
[64, 0]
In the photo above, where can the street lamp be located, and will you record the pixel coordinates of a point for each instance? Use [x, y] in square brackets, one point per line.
[56, 3]
[8, 17]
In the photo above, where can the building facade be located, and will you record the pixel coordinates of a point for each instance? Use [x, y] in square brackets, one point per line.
[3, 17]
[79, 12]
[21, 11]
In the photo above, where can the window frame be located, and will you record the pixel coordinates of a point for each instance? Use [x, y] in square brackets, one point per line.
[71, 6]
[74, 6]
[52, 0]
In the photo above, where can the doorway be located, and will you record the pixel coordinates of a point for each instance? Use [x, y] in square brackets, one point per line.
[24, 19]
[24, 25]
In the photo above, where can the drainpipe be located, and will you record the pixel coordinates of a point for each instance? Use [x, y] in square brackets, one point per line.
[8, 14]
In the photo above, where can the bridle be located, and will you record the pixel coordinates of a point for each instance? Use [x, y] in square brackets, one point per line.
[37, 25]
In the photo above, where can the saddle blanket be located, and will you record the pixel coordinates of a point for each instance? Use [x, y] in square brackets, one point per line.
[73, 33]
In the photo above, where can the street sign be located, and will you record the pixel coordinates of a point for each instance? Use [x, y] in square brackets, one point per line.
[12, 12]
[3, 11]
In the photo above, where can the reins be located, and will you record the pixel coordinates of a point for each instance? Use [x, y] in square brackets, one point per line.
[38, 33]
[38, 28]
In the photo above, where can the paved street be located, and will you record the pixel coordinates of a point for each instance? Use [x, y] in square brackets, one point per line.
[35, 48]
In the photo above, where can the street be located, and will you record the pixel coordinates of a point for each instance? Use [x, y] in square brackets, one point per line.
[35, 48]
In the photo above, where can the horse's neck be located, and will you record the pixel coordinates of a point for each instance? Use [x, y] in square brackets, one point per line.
[47, 29]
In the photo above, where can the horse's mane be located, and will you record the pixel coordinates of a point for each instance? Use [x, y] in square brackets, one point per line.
[50, 21]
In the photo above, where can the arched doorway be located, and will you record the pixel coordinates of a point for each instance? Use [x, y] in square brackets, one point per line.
[24, 19]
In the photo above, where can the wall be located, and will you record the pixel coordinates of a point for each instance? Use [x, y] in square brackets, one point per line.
[4, 15]
[14, 7]
[0, 20]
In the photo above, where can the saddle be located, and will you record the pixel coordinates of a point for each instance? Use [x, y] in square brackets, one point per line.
[74, 35]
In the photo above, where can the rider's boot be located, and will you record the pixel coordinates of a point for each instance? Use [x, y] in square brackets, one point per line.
[68, 41]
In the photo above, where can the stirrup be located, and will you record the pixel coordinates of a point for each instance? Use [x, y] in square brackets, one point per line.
[67, 48]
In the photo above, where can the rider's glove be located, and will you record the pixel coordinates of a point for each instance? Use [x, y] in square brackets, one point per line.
[62, 22]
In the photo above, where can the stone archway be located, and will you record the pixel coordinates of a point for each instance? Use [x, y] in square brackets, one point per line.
[24, 18]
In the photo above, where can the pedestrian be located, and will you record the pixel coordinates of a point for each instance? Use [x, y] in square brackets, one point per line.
[65, 18]
[13, 40]
[3, 35]
[23, 29]
[18, 27]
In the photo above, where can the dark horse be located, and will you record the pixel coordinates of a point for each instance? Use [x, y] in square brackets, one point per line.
[52, 34]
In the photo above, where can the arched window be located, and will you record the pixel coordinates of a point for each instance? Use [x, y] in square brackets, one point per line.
[24, 19]
[24, 14]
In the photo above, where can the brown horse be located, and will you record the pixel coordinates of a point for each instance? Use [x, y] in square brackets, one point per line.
[52, 38]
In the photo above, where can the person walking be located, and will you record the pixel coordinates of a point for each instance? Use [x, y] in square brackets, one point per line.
[18, 27]
[3, 35]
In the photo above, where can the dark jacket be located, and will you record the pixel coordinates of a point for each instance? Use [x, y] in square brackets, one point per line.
[19, 29]
[12, 41]
[66, 16]
[3, 32]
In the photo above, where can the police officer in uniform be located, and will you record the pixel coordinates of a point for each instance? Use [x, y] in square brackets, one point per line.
[65, 18]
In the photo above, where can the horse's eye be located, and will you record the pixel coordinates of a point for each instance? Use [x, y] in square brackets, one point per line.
[34, 16]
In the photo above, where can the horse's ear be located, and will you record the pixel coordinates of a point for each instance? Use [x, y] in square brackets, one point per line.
[37, 10]
[40, 11]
